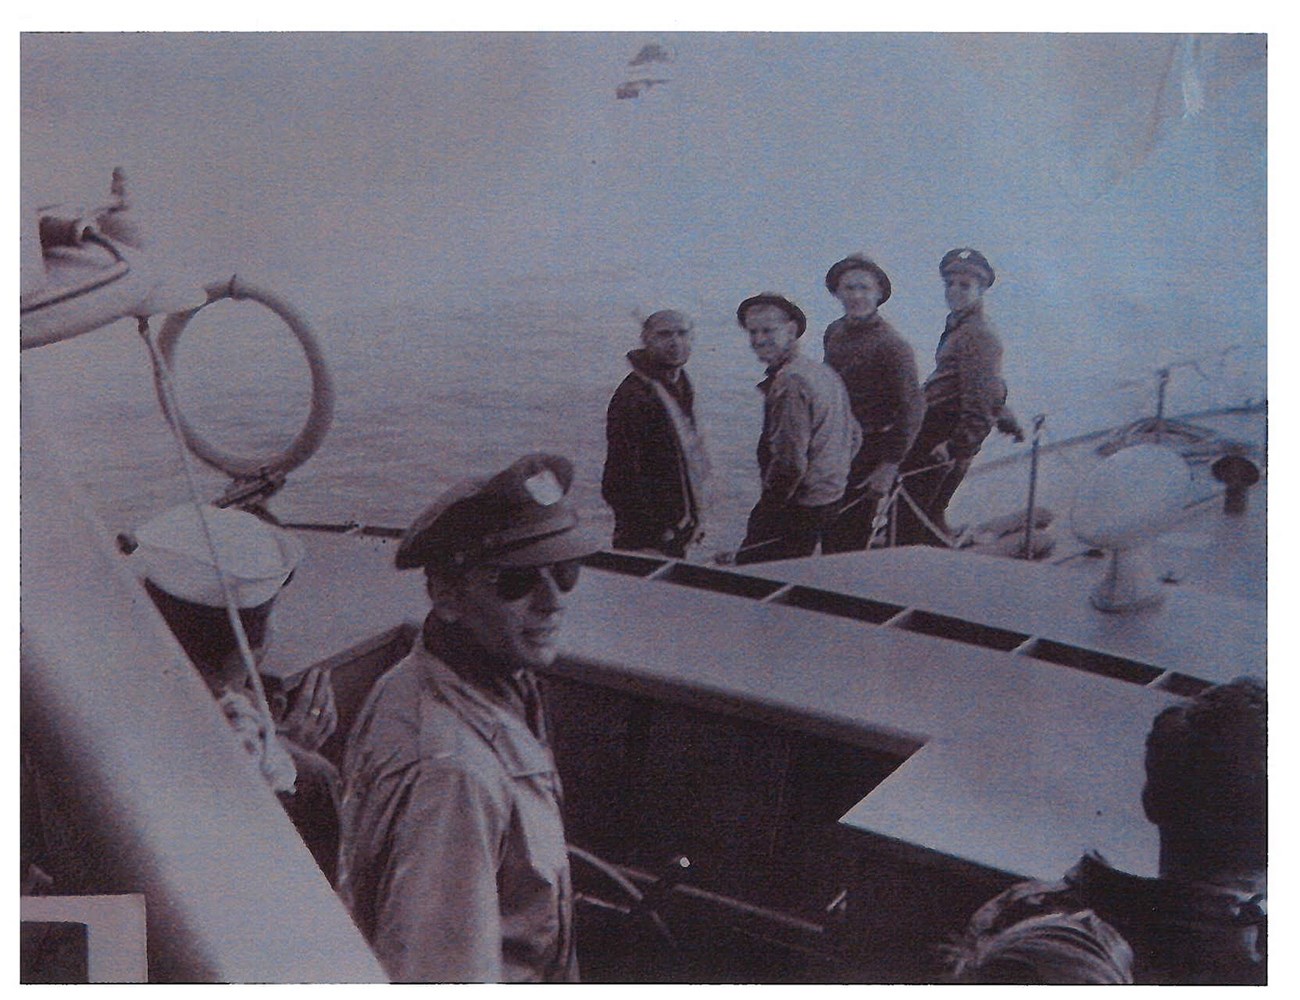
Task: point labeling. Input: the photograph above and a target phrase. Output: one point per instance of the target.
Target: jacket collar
(957, 317)
(774, 370)
(874, 323)
(643, 364)
(488, 703)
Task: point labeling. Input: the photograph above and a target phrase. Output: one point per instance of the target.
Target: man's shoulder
(633, 384)
(406, 718)
(818, 377)
(892, 341)
(634, 392)
(976, 328)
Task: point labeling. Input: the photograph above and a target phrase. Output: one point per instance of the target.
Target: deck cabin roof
(1021, 737)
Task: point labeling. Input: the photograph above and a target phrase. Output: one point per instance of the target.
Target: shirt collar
(774, 370)
(641, 361)
(958, 316)
(868, 324)
(489, 702)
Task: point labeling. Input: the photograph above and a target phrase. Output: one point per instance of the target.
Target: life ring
(319, 418)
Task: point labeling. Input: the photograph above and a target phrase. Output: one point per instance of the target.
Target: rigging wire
(163, 374)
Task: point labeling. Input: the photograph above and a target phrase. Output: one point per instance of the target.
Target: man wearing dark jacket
(879, 371)
(656, 466)
(965, 397)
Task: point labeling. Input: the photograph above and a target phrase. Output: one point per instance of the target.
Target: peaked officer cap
(968, 260)
(520, 517)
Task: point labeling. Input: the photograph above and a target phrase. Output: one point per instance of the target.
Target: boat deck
(1014, 704)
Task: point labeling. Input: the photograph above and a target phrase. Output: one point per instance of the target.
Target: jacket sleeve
(620, 484)
(906, 389)
(437, 916)
(982, 394)
(790, 422)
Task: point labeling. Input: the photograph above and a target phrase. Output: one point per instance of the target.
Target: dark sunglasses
(512, 584)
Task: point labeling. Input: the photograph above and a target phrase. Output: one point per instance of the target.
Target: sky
(1117, 182)
(1126, 231)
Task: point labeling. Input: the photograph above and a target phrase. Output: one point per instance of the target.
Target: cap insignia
(544, 488)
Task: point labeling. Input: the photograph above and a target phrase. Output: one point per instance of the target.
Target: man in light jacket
(453, 860)
(808, 440)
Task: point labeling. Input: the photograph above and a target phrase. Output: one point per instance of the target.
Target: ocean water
(425, 396)
(429, 393)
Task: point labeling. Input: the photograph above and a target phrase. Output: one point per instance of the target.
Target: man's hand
(312, 716)
(1009, 425)
(881, 479)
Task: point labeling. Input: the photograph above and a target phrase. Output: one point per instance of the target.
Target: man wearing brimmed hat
(808, 440)
(879, 371)
(196, 561)
(965, 397)
(453, 861)
(656, 465)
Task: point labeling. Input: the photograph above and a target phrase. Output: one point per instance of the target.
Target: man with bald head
(656, 466)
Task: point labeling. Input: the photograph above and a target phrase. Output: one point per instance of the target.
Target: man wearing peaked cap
(453, 862)
(965, 397)
(879, 371)
(967, 261)
(809, 436)
(192, 560)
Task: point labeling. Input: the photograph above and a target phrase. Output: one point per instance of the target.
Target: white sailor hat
(257, 558)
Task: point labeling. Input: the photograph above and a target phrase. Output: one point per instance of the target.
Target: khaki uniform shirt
(453, 860)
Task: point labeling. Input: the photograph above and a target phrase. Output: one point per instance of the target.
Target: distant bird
(635, 88)
(651, 53)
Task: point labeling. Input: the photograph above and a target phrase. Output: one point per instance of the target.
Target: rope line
(163, 375)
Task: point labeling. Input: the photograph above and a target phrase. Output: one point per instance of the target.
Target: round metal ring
(321, 415)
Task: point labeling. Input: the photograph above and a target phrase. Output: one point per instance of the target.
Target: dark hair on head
(1206, 764)
(204, 632)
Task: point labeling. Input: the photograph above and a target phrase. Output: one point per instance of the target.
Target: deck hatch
(1089, 660)
(960, 630)
(720, 581)
(841, 605)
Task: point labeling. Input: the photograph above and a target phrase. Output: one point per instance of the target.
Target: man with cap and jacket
(453, 862)
(879, 371)
(656, 466)
(808, 440)
(182, 561)
(965, 397)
